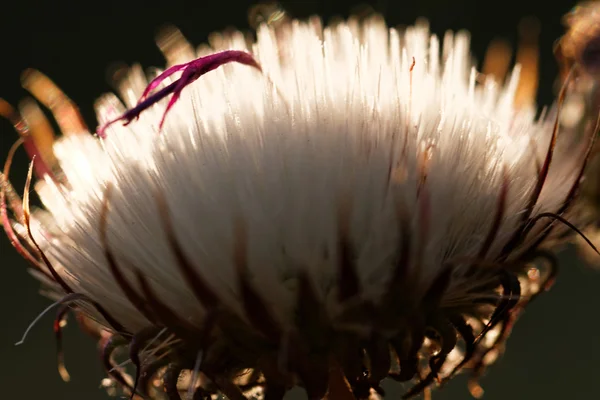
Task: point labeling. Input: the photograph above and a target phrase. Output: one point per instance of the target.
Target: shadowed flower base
(416, 177)
(346, 358)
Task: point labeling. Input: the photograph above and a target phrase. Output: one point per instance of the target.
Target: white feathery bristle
(339, 117)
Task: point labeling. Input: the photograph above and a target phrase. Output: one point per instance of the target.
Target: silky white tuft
(347, 119)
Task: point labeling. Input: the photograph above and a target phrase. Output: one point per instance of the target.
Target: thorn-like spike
(10, 197)
(518, 235)
(568, 224)
(108, 345)
(497, 221)
(511, 295)
(167, 317)
(545, 232)
(59, 322)
(466, 332)
(135, 346)
(256, 309)
(348, 280)
(27, 222)
(203, 292)
(130, 293)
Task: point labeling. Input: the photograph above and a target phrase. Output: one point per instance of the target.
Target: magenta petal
(160, 78)
(191, 71)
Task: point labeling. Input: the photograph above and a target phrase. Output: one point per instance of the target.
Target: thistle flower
(325, 208)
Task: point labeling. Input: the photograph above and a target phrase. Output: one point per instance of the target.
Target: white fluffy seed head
(354, 117)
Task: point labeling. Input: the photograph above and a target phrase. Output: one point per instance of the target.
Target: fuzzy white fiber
(338, 120)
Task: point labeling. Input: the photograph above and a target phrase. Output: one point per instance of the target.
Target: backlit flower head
(327, 207)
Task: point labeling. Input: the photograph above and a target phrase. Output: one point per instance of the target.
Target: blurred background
(554, 350)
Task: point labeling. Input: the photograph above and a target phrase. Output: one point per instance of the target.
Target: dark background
(555, 347)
